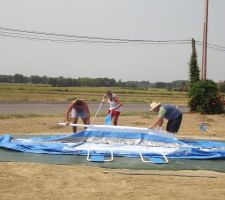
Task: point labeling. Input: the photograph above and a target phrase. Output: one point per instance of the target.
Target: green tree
(205, 98)
(19, 78)
(193, 65)
(35, 79)
(221, 86)
(160, 85)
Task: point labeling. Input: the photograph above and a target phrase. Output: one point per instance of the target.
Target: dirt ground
(49, 125)
(55, 182)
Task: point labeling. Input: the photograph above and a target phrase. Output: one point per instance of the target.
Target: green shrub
(204, 98)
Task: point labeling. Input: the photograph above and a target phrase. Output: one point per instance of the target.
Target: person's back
(171, 112)
(79, 108)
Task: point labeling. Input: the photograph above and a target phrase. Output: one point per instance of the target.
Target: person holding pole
(77, 108)
(114, 106)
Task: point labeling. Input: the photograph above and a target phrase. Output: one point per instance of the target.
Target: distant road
(53, 108)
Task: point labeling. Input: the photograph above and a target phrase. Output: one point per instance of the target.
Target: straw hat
(153, 105)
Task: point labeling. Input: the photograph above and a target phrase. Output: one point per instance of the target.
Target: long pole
(203, 53)
(205, 41)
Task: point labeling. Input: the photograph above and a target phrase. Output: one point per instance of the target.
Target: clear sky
(124, 19)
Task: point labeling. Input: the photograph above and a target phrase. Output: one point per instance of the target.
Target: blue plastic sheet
(121, 143)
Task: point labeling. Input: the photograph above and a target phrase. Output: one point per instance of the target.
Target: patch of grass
(17, 116)
(132, 114)
(138, 123)
(39, 93)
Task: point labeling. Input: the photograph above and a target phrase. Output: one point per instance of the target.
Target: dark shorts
(173, 125)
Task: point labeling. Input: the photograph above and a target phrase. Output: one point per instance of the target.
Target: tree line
(180, 85)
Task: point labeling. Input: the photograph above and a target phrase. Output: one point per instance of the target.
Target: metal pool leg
(98, 158)
(155, 160)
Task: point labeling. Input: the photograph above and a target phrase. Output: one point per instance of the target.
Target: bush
(204, 98)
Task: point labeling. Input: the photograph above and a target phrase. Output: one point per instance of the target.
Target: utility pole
(205, 39)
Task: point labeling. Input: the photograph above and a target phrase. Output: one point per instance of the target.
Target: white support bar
(142, 158)
(123, 128)
(109, 160)
(79, 125)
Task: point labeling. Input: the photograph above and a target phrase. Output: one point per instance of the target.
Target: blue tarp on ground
(122, 141)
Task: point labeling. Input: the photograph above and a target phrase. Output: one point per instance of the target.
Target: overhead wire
(213, 46)
(74, 38)
(82, 39)
(18, 31)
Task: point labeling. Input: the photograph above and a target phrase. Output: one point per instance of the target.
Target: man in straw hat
(169, 112)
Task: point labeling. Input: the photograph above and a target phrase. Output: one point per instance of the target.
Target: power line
(19, 31)
(24, 34)
(68, 38)
(212, 46)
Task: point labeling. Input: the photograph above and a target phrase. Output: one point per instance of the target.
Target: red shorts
(114, 113)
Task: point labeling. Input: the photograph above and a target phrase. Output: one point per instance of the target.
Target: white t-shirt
(113, 104)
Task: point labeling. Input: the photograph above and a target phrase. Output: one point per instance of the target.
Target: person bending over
(78, 108)
(169, 112)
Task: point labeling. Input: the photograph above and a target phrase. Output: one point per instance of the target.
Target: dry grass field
(26, 181)
(49, 124)
(45, 93)
(31, 181)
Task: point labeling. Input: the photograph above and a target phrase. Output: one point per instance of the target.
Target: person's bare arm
(118, 102)
(70, 107)
(158, 122)
(104, 98)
